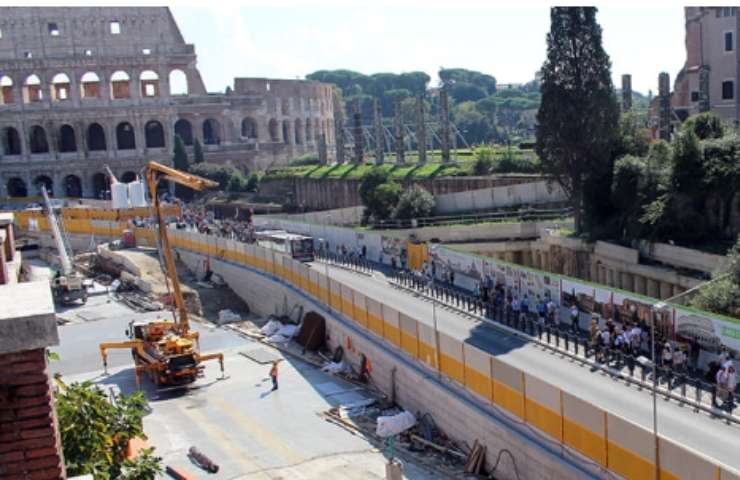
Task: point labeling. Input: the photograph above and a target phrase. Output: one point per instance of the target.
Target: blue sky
(291, 39)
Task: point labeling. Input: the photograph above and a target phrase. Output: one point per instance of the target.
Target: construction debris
(228, 316)
(202, 460)
(389, 426)
(477, 459)
(177, 473)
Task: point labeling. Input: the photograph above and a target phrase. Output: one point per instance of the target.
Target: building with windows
(709, 78)
(82, 88)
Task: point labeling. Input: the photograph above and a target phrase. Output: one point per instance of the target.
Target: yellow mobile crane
(168, 351)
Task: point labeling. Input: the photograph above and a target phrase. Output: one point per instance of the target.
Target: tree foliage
(378, 202)
(237, 183)
(180, 162)
(477, 107)
(212, 171)
(384, 200)
(484, 158)
(634, 136)
(197, 151)
(705, 125)
(415, 202)
(723, 294)
(364, 88)
(578, 117)
(95, 433)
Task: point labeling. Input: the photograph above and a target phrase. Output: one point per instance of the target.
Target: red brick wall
(29, 442)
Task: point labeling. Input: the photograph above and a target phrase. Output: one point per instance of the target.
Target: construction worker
(274, 375)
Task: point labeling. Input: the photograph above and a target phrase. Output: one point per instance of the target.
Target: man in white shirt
(552, 312)
(516, 308)
(574, 318)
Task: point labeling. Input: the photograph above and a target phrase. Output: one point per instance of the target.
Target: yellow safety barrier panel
(347, 300)
(427, 345)
(584, 427)
(374, 316)
(360, 313)
(508, 387)
(542, 407)
(409, 335)
(631, 449)
(323, 282)
(478, 372)
(677, 462)
(451, 360)
(335, 294)
(391, 325)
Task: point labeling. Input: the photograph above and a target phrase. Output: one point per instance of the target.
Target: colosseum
(83, 88)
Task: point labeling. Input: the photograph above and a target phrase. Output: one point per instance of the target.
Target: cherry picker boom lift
(167, 351)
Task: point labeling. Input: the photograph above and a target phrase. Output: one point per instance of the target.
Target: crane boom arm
(64, 258)
(155, 172)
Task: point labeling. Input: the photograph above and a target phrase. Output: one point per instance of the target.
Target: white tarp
(395, 424)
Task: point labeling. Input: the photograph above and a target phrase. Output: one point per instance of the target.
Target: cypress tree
(180, 162)
(578, 118)
(197, 152)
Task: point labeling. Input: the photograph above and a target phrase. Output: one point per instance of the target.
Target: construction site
(381, 374)
(116, 299)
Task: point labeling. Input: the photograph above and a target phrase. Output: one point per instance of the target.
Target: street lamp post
(326, 260)
(653, 313)
(436, 330)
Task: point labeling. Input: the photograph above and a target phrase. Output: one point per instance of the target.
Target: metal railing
(672, 384)
(523, 215)
(678, 385)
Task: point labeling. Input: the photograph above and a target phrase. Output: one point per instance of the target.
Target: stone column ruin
(357, 131)
(322, 149)
(444, 120)
(626, 92)
(664, 106)
(704, 105)
(421, 130)
(379, 137)
(338, 129)
(398, 127)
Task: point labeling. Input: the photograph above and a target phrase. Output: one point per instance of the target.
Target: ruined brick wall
(329, 193)
(30, 448)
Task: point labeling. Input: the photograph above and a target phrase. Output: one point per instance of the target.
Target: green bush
(95, 433)
(484, 156)
(218, 173)
(305, 159)
(385, 199)
(237, 183)
(510, 163)
(253, 183)
(415, 202)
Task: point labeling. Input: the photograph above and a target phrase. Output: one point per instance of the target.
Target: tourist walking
(574, 318)
(274, 375)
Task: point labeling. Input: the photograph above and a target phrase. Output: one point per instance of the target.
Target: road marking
(228, 446)
(262, 435)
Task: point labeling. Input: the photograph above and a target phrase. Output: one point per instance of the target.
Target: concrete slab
(27, 317)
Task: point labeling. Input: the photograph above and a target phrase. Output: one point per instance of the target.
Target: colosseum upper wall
(82, 88)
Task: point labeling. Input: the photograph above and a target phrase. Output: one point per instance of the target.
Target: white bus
(299, 247)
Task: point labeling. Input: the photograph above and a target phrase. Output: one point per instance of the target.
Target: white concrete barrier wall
(498, 197)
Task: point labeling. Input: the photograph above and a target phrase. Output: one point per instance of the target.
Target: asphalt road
(698, 431)
(248, 430)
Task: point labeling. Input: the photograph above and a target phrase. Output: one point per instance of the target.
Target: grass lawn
(462, 165)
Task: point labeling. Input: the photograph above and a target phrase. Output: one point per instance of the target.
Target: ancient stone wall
(87, 87)
(325, 194)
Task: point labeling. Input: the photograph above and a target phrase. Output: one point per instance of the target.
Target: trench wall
(470, 393)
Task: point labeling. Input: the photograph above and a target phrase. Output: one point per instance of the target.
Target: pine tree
(578, 119)
(197, 152)
(180, 162)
